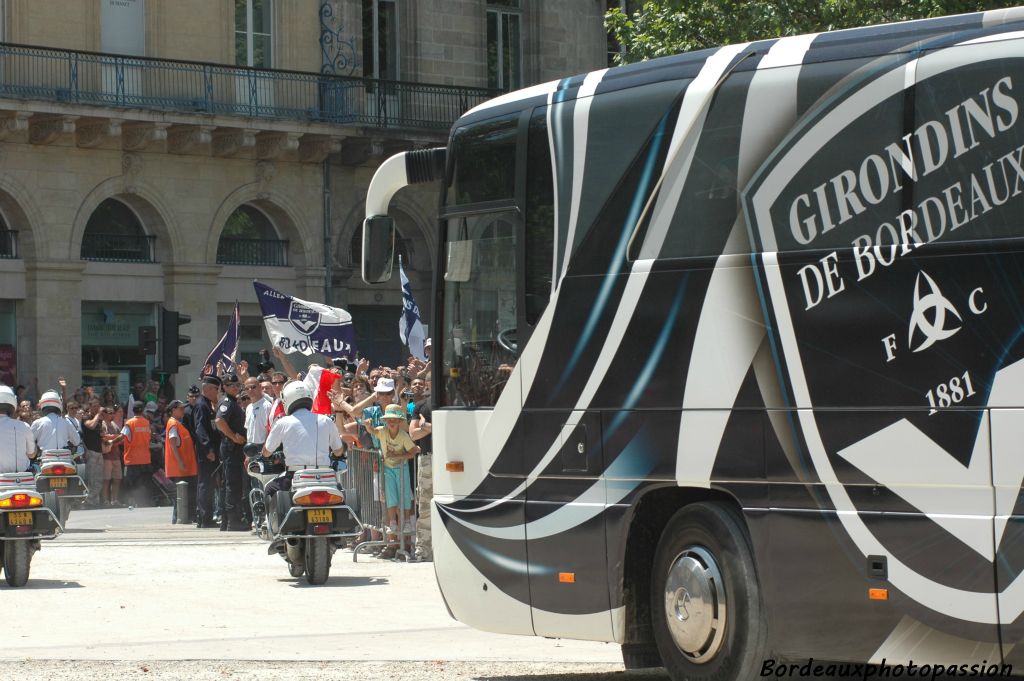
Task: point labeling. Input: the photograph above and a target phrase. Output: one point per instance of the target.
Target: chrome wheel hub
(695, 604)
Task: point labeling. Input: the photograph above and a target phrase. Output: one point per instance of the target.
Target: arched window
(8, 241)
(114, 233)
(249, 238)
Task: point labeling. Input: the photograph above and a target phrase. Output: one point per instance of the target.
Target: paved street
(132, 595)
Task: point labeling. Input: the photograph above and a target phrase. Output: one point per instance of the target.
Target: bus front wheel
(706, 608)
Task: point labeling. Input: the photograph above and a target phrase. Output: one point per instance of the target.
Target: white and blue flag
(301, 326)
(410, 328)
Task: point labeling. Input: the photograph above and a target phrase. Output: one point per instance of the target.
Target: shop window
(111, 357)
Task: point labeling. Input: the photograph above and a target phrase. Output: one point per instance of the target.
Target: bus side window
(540, 217)
(485, 162)
(709, 203)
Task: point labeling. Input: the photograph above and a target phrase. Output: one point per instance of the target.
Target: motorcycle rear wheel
(318, 560)
(17, 561)
(65, 512)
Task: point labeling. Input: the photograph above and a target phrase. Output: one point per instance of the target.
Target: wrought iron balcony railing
(232, 251)
(118, 248)
(194, 87)
(8, 244)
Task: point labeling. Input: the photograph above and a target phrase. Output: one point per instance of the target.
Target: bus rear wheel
(706, 607)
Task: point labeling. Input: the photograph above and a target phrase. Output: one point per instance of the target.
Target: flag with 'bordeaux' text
(296, 325)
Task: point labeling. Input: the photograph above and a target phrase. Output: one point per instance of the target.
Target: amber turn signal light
(878, 594)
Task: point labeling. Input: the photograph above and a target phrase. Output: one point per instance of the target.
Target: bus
(729, 352)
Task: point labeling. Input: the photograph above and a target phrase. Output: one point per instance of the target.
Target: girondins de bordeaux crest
(305, 319)
(892, 277)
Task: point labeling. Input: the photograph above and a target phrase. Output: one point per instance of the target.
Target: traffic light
(171, 339)
(147, 340)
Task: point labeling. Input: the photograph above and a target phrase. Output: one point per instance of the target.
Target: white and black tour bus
(729, 352)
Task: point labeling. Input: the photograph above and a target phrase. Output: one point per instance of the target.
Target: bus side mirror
(378, 248)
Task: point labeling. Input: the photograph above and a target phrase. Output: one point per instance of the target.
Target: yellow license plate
(320, 515)
(21, 518)
(56, 483)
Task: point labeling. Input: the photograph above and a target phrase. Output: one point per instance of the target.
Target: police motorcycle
(27, 516)
(262, 471)
(308, 524)
(58, 473)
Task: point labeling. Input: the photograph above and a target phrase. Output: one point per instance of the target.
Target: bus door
(565, 529)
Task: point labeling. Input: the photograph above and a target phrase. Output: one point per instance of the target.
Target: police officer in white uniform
(52, 430)
(17, 445)
(308, 439)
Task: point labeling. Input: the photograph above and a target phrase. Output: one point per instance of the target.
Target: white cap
(385, 385)
(426, 343)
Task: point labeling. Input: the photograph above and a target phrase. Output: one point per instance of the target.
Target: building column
(191, 290)
(53, 319)
(310, 283)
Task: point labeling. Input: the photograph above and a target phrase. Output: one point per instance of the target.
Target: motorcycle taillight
(20, 500)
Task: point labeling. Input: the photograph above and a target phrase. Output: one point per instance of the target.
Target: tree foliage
(662, 27)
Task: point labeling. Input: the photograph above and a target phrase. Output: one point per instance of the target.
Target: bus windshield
(479, 308)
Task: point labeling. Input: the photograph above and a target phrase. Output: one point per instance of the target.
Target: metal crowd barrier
(365, 474)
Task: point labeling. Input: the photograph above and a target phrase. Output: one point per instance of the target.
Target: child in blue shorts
(397, 448)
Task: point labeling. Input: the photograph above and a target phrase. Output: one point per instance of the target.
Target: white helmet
(52, 400)
(8, 398)
(296, 395)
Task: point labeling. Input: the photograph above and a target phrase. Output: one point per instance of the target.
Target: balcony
(119, 248)
(93, 79)
(272, 252)
(8, 244)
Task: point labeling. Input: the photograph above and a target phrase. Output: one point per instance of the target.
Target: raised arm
(286, 366)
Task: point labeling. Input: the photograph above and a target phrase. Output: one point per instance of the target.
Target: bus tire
(706, 610)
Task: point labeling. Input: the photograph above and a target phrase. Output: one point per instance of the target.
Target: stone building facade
(168, 152)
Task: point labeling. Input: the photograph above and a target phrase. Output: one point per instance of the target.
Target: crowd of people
(135, 452)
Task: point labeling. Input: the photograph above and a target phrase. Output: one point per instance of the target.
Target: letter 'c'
(974, 305)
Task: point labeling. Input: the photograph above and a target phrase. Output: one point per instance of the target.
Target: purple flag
(223, 355)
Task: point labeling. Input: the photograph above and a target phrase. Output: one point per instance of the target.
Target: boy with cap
(397, 448)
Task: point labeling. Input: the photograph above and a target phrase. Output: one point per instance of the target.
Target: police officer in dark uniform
(231, 423)
(207, 439)
(189, 420)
